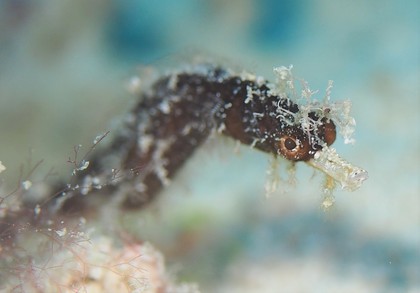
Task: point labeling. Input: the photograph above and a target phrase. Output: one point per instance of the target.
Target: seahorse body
(179, 112)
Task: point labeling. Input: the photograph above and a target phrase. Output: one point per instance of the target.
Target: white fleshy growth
(272, 181)
(338, 112)
(159, 160)
(2, 167)
(284, 74)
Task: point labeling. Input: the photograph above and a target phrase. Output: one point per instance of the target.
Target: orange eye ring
(294, 149)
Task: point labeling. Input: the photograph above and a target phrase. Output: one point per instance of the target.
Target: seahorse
(180, 110)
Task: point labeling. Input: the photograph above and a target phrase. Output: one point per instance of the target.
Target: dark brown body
(176, 115)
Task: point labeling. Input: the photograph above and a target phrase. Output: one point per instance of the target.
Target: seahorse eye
(293, 148)
(290, 144)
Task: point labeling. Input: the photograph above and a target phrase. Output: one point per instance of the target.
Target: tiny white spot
(37, 209)
(134, 85)
(186, 130)
(96, 273)
(140, 187)
(249, 94)
(61, 232)
(99, 137)
(96, 181)
(82, 221)
(26, 184)
(221, 128)
(2, 167)
(83, 165)
(145, 142)
(165, 107)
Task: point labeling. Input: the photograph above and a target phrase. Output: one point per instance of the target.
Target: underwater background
(64, 69)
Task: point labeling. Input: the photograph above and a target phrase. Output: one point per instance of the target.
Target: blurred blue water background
(63, 66)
